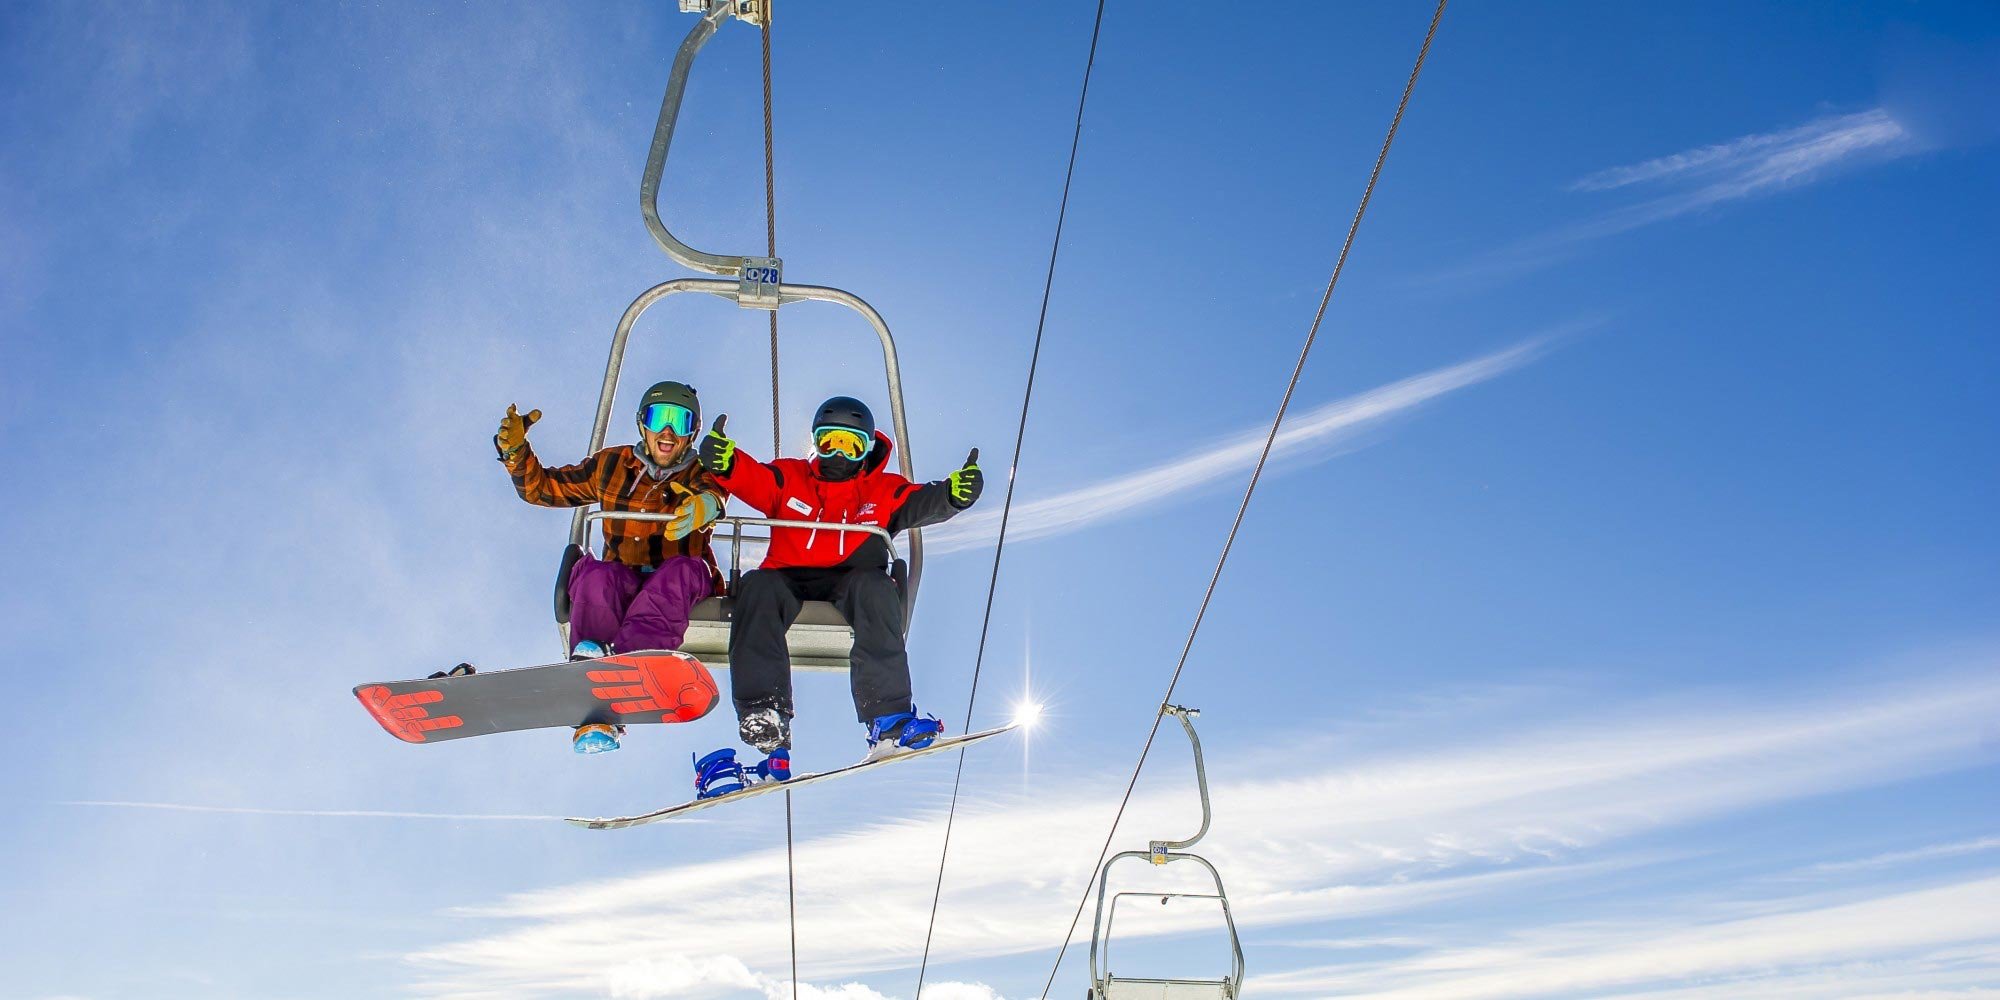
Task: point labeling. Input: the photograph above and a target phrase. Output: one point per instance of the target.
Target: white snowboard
(767, 787)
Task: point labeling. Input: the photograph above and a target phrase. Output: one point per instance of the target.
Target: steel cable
(1257, 472)
(777, 446)
(1013, 468)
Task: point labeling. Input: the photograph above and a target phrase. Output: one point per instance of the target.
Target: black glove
(967, 483)
(718, 451)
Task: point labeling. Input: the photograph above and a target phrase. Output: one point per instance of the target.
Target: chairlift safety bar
(1100, 963)
(580, 522)
(737, 525)
(1111, 916)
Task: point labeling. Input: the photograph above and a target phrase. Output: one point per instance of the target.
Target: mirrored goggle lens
(840, 441)
(669, 417)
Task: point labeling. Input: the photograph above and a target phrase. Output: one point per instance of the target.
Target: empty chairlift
(1104, 983)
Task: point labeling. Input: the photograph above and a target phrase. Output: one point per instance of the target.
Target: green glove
(967, 483)
(718, 451)
(695, 513)
(513, 433)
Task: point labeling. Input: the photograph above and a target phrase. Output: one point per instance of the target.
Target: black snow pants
(768, 601)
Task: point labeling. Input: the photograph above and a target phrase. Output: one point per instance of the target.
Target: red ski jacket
(789, 488)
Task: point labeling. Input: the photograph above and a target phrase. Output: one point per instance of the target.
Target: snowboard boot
(901, 732)
(718, 774)
(458, 671)
(596, 737)
(767, 729)
(590, 649)
(776, 767)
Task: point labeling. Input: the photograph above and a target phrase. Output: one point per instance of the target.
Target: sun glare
(1026, 713)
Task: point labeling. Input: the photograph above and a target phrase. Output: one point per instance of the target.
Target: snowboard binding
(718, 774)
(892, 734)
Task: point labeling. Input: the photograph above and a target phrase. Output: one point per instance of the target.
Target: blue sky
(1616, 620)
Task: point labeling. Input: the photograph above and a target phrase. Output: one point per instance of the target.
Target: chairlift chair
(1104, 985)
(820, 639)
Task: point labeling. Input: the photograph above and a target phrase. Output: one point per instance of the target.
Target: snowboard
(767, 787)
(621, 689)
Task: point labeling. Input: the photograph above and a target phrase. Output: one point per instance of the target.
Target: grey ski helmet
(845, 411)
(679, 393)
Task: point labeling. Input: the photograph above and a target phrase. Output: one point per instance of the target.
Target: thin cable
(791, 895)
(771, 232)
(1013, 468)
(1312, 334)
(777, 446)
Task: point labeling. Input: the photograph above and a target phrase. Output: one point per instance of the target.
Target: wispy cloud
(1892, 859)
(717, 975)
(1315, 435)
(1743, 168)
(1898, 943)
(1707, 176)
(1465, 819)
(259, 811)
(1755, 162)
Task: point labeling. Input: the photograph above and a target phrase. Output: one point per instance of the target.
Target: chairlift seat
(1166, 989)
(820, 638)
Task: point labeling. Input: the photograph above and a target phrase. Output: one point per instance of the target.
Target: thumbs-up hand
(967, 483)
(513, 433)
(717, 452)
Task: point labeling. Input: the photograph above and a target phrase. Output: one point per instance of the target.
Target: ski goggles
(662, 417)
(843, 441)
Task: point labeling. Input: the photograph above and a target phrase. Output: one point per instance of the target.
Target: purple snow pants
(614, 603)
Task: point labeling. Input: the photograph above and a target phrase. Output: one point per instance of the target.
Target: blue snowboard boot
(718, 774)
(776, 767)
(901, 732)
(589, 649)
(595, 738)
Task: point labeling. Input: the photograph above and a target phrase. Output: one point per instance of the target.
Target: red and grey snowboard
(622, 689)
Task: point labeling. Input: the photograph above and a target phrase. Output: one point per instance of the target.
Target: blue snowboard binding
(897, 732)
(718, 774)
(589, 649)
(776, 767)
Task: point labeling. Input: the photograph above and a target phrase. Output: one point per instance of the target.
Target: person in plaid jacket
(637, 596)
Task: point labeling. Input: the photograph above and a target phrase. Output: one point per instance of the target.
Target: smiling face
(664, 447)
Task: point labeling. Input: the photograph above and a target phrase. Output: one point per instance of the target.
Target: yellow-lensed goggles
(845, 442)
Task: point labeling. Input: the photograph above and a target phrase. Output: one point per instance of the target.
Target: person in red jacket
(846, 482)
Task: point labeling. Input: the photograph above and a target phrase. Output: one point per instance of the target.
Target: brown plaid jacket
(616, 479)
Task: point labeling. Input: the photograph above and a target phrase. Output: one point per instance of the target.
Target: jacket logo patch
(866, 509)
(800, 506)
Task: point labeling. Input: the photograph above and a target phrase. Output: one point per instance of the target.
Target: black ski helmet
(845, 411)
(679, 393)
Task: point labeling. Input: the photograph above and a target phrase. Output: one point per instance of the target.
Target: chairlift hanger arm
(1160, 848)
(713, 14)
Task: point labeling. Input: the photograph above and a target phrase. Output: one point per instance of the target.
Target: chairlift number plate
(757, 283)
